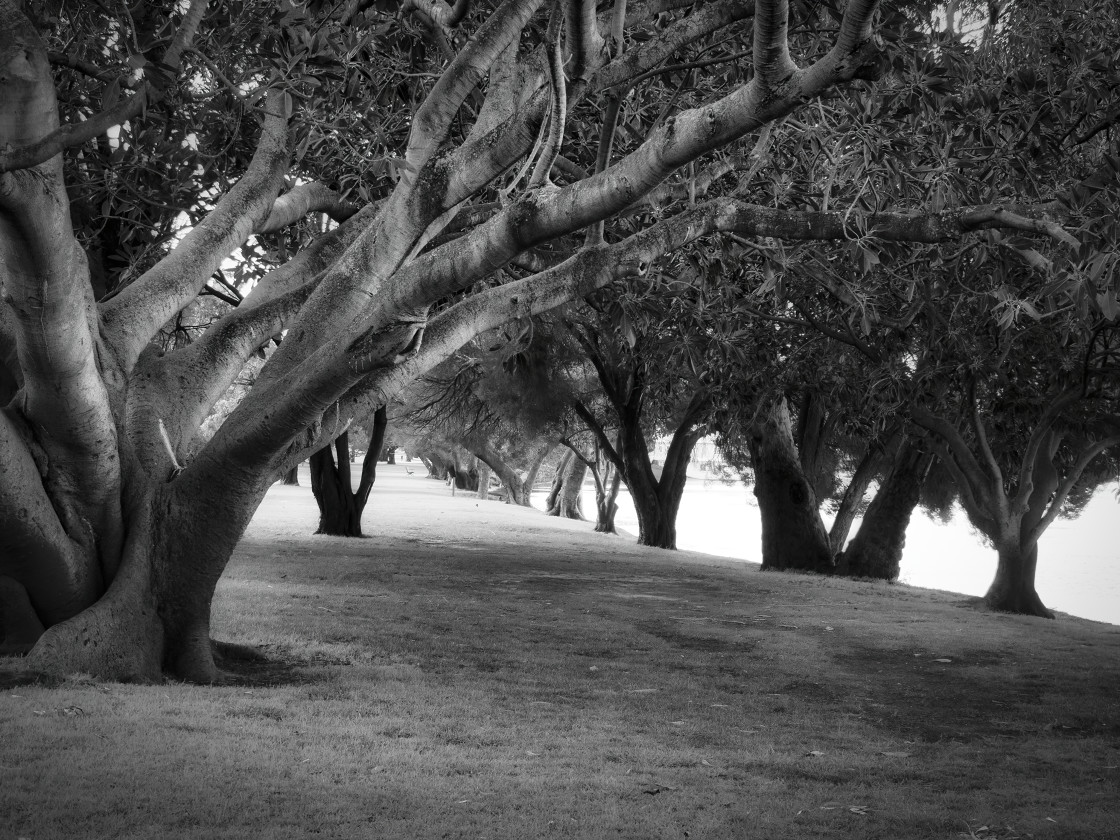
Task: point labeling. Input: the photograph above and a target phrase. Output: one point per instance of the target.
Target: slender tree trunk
(291, 477)
(876, 549)
(606, 500)
(564, 495)
(341, 507)
(793, 534)
(483, 481)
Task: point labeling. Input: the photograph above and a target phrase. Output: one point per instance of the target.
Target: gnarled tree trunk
(563, 498)
(793, 534)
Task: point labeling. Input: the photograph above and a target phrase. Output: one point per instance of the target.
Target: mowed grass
(475, 670)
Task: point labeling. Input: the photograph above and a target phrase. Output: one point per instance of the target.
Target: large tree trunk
(793, 534)
(876, 549)
(154, 618)
(291, 477)
(341, 507)
(564, 496)
(1013, 589)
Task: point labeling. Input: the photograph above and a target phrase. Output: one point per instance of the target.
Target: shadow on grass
(243, 665)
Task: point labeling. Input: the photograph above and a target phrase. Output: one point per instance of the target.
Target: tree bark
(876, 549)
(606, 500)
(793, 534)
(564, 496)
(291, 477)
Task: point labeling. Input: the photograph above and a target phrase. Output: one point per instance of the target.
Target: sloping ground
(480, 670)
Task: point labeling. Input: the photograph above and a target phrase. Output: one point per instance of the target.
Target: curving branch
(585, 42)
(434, 118)
(1072, 477)
(959, 458)
(84, 67)
(196, 376)
(132, 317)
(772, 62)
(63, 137)
(1034, 445)
(982, 441)
(314, 197)
(438, 12)
(558, 116)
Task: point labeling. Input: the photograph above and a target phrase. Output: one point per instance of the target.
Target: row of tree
(180, 325)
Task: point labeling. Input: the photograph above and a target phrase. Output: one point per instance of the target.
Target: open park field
(480, 670)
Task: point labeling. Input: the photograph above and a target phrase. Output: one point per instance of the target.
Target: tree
(340, 505)
(100, 505)
(563, 498)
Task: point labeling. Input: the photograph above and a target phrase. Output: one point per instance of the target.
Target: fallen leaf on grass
(814, 752)
(858, 809)
(943, 660)
(677, 722)
(705, 762)
(530, 752)
(720, 706)
(641, 690)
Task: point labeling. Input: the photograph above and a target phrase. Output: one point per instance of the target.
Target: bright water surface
(1078, 566)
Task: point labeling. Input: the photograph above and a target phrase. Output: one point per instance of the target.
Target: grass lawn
(479, 670)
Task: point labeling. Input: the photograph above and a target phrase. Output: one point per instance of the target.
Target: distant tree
(340, 504)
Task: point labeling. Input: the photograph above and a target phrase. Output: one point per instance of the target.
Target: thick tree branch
(961, 460)
(1034, 445)
(314, 197)
(1072, 477)
(433, 119)
(132, 317)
